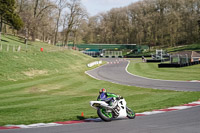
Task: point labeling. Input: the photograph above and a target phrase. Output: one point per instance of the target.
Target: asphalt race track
(184, 121)
(116, 73)
(181, 121)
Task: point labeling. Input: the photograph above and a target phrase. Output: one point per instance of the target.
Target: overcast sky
(97, 6)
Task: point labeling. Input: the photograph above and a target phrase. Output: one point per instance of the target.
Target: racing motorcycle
(117, 110)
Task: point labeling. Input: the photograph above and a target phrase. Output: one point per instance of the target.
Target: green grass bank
(38, 87)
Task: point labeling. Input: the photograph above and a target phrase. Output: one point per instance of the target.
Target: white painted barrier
(94, 63)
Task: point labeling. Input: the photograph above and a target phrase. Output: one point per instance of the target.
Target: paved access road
(183, 121)
(116, 73)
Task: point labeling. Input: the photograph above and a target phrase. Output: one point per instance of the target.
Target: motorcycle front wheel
(130, 113)
(104, 115)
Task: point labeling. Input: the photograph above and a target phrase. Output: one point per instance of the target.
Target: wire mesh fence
(113, 53)
(33, 48)
(180, 59)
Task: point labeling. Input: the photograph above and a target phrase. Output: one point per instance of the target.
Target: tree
(40, 8)
(39, 19)
(8, 15)
(163, 23)
(60, 6)
(75, 15)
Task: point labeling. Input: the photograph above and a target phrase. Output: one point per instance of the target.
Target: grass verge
(151, 70)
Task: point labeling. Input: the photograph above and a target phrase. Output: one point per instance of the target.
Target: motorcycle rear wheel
(105, 116)
(130, 113)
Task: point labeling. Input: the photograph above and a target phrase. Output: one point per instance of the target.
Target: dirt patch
(43, 88)
(50, 87)
(33, 72)
(34, 90)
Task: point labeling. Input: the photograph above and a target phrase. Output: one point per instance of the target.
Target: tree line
(50, 21)
(151, 22)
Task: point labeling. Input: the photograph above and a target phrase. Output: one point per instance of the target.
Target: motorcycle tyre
(130, 117)
(104, 118)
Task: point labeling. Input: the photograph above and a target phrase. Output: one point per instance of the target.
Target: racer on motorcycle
(107, 97)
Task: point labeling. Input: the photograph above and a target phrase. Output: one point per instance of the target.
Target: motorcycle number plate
(96, 104)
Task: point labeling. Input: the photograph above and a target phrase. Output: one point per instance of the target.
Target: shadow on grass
(17, 40)
(4, 40)
(81, 118)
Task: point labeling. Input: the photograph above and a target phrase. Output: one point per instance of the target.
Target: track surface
(182, 121)
(117, 73)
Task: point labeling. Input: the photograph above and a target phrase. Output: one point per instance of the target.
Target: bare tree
(154, 22)
(76, 13)
(60, 6)
(40, 8)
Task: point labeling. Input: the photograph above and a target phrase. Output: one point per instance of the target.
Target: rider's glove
(118, 98)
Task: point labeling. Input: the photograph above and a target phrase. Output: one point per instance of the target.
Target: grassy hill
(192, 47)
(21, 65)
(31, 62)
(52, 86)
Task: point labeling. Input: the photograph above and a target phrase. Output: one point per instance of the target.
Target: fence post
(178, 59)
(1, 48)
(7, 47)
(19, 48)
(170, 58)
(187, 61)
(14, 48)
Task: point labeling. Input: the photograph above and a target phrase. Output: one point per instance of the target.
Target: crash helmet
(102, 90)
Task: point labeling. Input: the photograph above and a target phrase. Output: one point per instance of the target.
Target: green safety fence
(103, 46)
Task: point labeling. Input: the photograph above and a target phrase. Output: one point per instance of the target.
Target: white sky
(97, 6)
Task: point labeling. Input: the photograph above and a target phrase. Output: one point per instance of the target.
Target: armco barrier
(94, 63)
